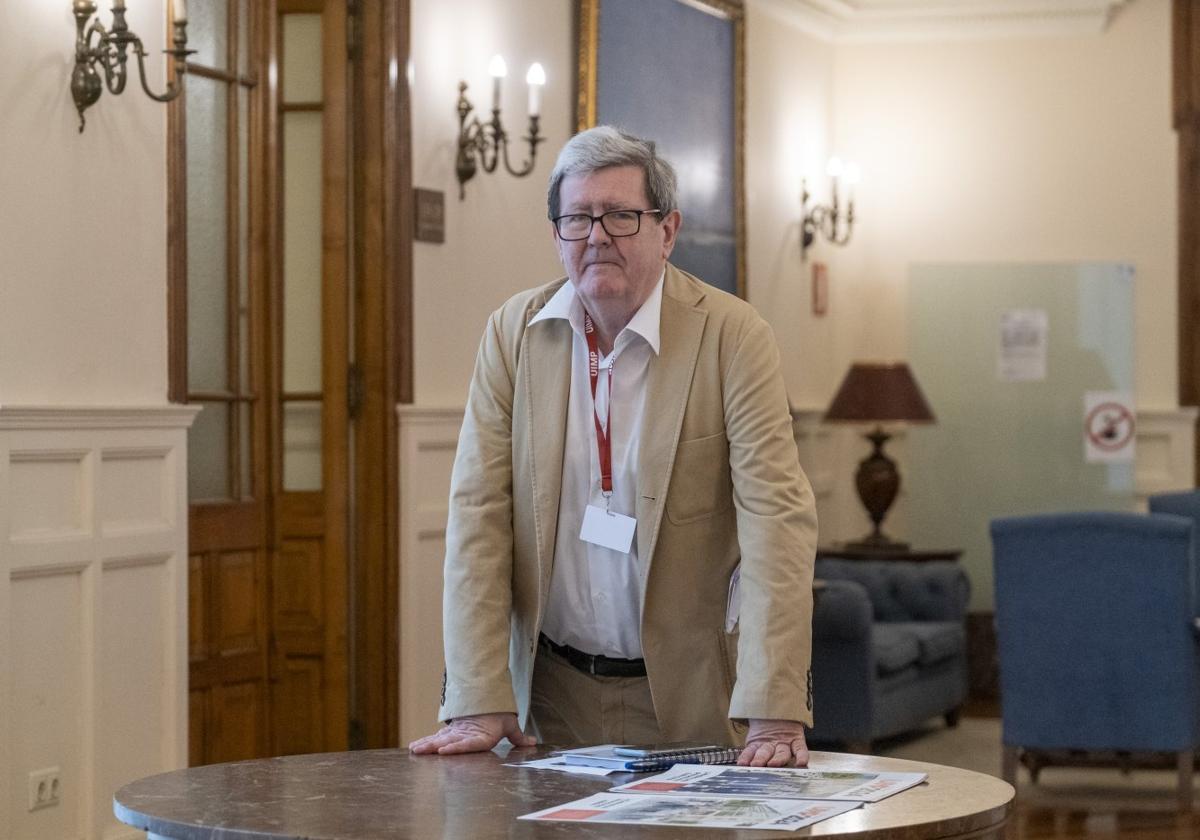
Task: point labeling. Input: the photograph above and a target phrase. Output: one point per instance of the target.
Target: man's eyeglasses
(574, 226)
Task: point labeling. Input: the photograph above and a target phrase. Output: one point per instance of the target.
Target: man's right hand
(474, 733)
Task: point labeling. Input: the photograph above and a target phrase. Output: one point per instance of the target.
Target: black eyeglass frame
(600, 219)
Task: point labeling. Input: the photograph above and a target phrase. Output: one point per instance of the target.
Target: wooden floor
(1100, 822)
(1081, 804)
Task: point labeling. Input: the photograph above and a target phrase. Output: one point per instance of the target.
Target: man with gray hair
(630, 543)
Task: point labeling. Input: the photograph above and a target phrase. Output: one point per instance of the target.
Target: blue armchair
(1185, 503)
(1096, 633)
(889, 648)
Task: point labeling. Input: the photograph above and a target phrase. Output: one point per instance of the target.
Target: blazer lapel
(668, 386)
(547, 355)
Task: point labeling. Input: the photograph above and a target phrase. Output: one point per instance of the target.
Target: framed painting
(673, 71)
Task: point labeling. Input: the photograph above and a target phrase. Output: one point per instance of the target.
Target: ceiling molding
(863, 21)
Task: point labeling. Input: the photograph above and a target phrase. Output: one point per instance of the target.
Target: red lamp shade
(878, 392)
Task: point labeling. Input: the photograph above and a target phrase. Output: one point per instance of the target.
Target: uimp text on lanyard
(614, 531)
(603, 430)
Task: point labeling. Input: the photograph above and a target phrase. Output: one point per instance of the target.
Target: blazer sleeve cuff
(461, 701)
(783, 703)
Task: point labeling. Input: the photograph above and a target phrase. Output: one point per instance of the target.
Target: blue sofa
(889, 648)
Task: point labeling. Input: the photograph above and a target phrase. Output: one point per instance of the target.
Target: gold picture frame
(588, 80)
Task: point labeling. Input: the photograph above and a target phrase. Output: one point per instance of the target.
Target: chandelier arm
(105, 53)
(494, 144)
(526, 166)
(532, 139)
(174, 88)
(114, 68)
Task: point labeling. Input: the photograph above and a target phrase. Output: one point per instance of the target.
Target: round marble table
(391, 794)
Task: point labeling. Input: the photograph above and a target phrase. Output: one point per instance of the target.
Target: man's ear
(671, 224)
(558, 243)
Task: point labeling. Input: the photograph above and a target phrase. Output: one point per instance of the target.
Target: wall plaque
(430, 215)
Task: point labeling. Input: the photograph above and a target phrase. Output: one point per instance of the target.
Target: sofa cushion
(895, 647)
(937, 640)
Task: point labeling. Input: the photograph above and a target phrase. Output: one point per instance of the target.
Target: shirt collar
(645, 322)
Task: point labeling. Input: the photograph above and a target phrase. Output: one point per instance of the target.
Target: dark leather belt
(591, 663)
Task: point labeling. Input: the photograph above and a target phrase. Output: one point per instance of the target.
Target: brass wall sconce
(110, 51)
(828, 219)
(489, 141)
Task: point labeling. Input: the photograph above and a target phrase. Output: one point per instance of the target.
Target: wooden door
(259, 159)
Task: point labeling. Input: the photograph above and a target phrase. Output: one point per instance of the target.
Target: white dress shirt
(595, 598)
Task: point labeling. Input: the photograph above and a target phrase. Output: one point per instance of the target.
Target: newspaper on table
(695, 811)
(772, 782)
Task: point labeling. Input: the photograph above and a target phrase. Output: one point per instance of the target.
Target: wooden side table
(898, 553)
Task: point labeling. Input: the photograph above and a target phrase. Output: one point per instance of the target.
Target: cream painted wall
(1038, 149)
(82, 222)
(497, 240)
(789, 114)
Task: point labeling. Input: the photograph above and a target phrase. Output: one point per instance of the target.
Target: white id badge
(608, 530)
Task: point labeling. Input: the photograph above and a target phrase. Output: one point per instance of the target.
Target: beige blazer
(719, 483)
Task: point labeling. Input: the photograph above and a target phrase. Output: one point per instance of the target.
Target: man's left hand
(774, 743)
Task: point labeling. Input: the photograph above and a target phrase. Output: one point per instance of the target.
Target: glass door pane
(302, 165)
(207, 225)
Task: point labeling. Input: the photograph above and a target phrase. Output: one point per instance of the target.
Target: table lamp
(874, 392)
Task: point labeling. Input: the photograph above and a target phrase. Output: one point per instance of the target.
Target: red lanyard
(603, 438)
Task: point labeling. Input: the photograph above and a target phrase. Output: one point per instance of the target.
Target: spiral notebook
(661, 757)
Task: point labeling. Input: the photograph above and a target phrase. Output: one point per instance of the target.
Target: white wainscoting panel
(1166, 451)
(428, 440)
(93, 641)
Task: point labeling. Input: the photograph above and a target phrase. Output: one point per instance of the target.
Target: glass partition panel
(1007, 356)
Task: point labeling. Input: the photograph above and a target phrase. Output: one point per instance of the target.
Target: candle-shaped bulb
(118, 5)
(498, 70)
(835, 167)
(180, 11)
(535, 78)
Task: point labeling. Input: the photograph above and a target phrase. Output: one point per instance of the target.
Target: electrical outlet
(45, 788)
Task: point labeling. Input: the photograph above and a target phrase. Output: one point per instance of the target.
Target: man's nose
(598, 235)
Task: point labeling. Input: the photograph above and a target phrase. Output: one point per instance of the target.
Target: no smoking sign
(1108, 426)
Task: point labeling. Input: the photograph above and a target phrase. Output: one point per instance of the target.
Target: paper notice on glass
(1108, 427)
(769, 782)
(1023, 342)
(695, 811)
